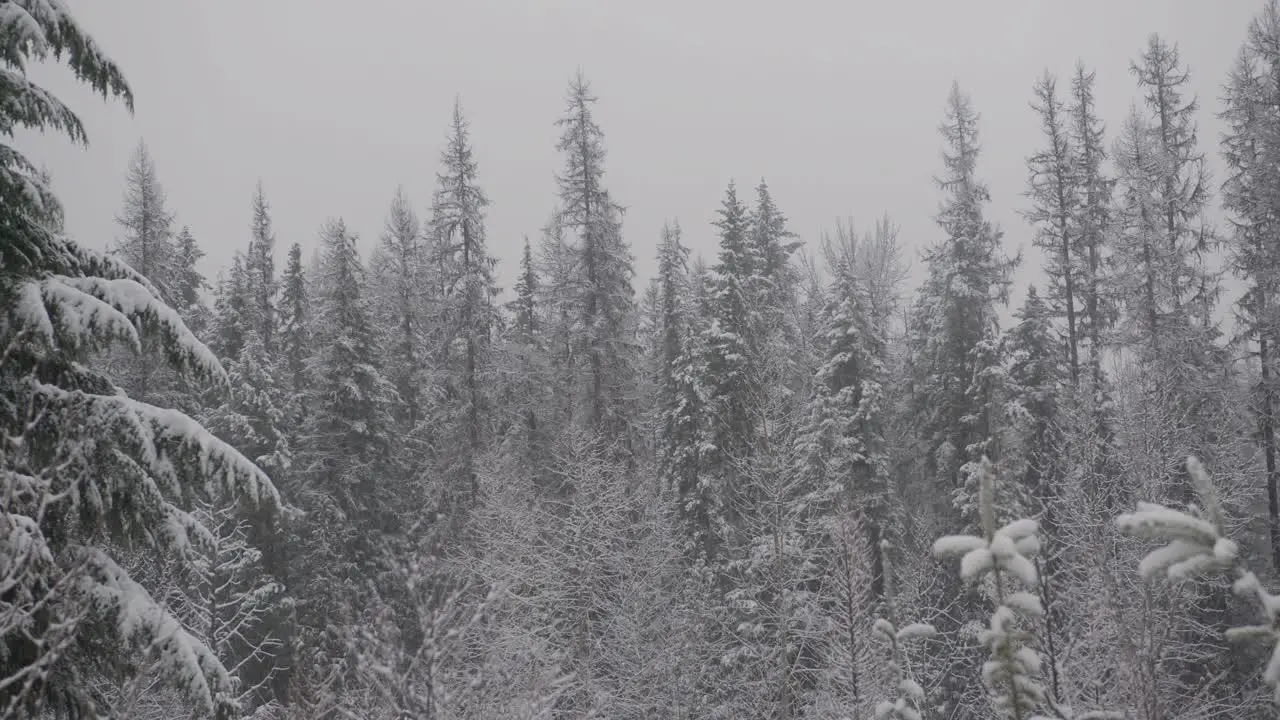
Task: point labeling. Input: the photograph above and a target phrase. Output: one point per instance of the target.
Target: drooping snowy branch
(1196, 545)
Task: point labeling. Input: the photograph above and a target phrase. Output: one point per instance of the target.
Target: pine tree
(525, 380)
(1251, 147)
(148, 246)
(260, 276)
(1181, 182)
(457, 222)
(231, 308)
(348, 491)
(729, 374)
(399, 267)
(295, 323)
(1054, 193)
(604, 267)
(148, 243)
(83, 462)
(671, 330)
(1093, 220)
(953, 341)
(956, 313)
(191, 284)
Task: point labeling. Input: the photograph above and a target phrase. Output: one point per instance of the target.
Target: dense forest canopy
(368, 481)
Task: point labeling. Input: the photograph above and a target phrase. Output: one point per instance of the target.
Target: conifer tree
(148, 246)
(457, 223)
(956, 312)
(604, 267)
(84, 465)
(188, 299)
(148, 243)
(1251, 147)
(260, 276)
(295, 322)
(399, 267)
(1054, 193)
(952, 340)
(345, 450)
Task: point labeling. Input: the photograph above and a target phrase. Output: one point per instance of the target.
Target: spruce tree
(85, 467)
(148, 244)
(457, 224)
(604, 268)
(260, 277)
(1251, 149)
(399, 267)
(1053, 187)
(953, 343)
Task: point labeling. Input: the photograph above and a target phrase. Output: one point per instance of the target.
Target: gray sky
(835, 102)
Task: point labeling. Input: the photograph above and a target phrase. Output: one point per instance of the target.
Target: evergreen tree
(956, 312)
(953, 341)
(260, 276)
(345, 453)
(295, 323)
(85, 465)
(1054, 193)
(148, 244)
(457, 222)
(603, 267)
(1093, 221)
(231, 324)
(1181, 182)
(671, 330)
(1251, 147)
(729, 373)
(399, 267)
(190, 284)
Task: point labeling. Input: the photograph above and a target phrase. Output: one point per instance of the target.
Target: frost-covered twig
(1005, 555)
(1196, 544)
(910, 695)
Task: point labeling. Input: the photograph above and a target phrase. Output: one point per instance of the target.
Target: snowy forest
(369, 482)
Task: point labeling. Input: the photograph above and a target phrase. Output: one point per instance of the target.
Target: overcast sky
(835, 102)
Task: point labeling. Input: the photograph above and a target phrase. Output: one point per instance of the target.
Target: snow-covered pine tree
(1055, 197)
(522, 368)
(1038, 380)
(771, 292)
(1251, 150)
(462, 417)
(344, 456)
(1093, 224)
(260, 276)
(671, 327)
(83, 462)
(603, 269)
(147, 245)
(230, 310)
(295, 332)
(1181, 182)
(953, 336)
(399, 294)
(558, 315)
(191, 284)
(956, 312)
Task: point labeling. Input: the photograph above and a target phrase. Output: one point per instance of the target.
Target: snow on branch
(1196, 545)
(1004, 556)
(154, 437)
(139, 620)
